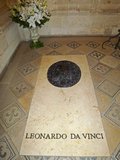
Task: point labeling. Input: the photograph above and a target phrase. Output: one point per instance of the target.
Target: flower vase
(34, 36)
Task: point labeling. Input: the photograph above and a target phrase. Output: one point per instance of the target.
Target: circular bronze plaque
(64, 74)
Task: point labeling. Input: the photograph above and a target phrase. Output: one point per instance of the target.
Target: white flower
(35, 8)
(38, 17)
(30, 11)
(31, 22)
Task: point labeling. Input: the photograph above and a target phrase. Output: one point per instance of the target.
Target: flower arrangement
(30, 14)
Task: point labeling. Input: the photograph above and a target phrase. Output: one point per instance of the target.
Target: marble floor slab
(64, 121)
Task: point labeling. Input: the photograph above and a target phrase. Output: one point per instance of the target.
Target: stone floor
(17, 86)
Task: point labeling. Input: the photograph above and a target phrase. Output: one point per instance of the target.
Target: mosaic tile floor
(17, 86)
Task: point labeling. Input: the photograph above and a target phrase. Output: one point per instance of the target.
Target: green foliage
(37, 44)
(23, 11)
(25, 24)
(31, 14)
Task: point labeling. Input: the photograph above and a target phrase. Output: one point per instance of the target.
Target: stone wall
(9, 36)
(9, 40)
(83, 17)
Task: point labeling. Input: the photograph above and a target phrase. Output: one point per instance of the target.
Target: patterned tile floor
(17, 86)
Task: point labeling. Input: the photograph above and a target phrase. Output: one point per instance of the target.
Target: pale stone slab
(66, 111)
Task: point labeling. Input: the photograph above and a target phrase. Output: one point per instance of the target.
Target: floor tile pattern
(2, 131)
(10, 116)
(114, 76)
(73, 45)
(33, 158)
(92, 61)
(54, 45)
(7, 150)
(113, 113)
(93, 44)
(116, 54)
(110, 44)
(109, 88)
(96, 55)
(97, 78)
(110, 61)
(59, 158)
(19, 80)
(16, 78)
(104, 101)
(28, 56)
(16, 132)
(117, 98)
(21, 88)
(54, 53)
(101, 68)
(116, 154)
(26, 69)
(6, 96)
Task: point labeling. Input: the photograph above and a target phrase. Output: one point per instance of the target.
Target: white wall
(9, 40)
(81, 17)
